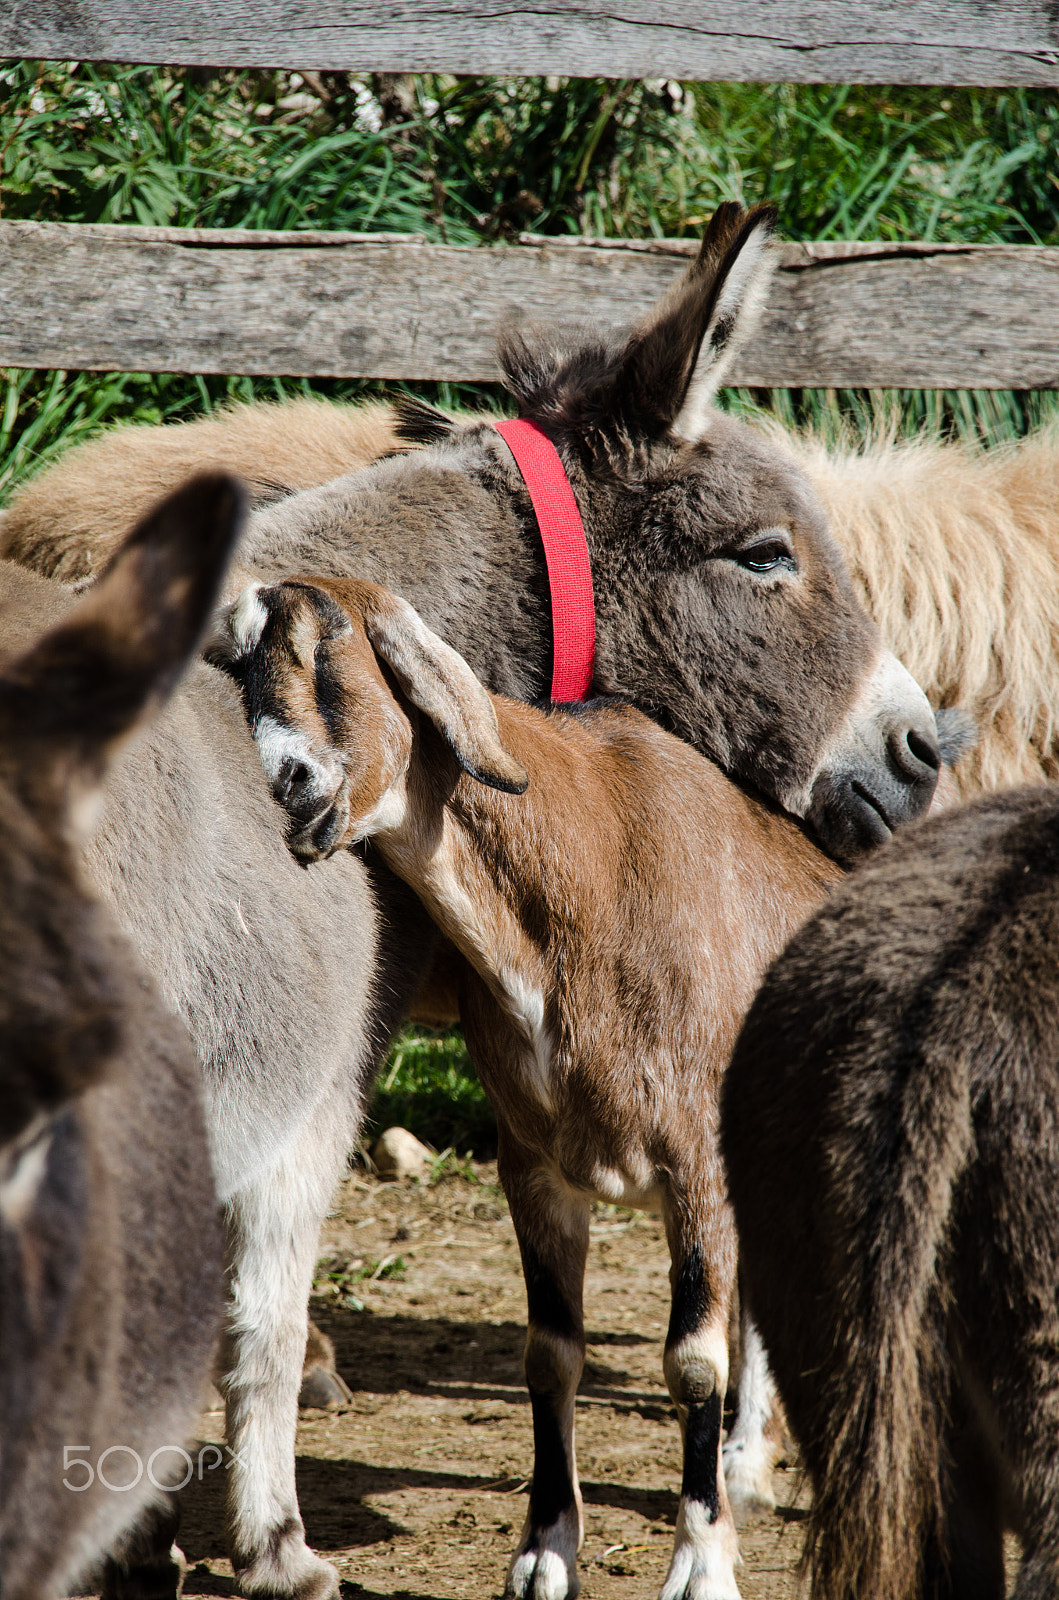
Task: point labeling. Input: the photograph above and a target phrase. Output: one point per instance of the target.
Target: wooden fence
(877, 315)
(790, 41)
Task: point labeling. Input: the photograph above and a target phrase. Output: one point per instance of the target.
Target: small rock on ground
(399, 1154)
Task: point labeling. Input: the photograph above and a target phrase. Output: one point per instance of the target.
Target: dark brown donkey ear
(675, 361)
(68, 701)
(438, 680)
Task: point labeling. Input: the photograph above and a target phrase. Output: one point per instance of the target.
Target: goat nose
(291, 776)
(915, 754)
(298, 789)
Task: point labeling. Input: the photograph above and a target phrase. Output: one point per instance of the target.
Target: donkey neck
(451, 529)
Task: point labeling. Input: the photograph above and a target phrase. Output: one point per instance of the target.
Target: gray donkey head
(725, 609)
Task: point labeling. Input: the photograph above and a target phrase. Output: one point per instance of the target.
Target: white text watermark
(121, 1468)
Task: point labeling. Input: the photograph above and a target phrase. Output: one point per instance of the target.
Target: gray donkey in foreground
(891, 1131)
(188, 850)
(110, 1239)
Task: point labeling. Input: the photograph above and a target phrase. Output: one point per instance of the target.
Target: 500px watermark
(120, 1467)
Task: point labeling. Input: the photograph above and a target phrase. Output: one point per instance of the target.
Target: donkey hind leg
(755, 1443)
(552, 1230)
(1038, 1577)
(705, 1547)
(966, 1560)
(274, 1227)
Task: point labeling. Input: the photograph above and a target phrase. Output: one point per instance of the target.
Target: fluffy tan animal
(955, 553)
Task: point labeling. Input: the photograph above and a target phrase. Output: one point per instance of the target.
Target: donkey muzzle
(881, 771)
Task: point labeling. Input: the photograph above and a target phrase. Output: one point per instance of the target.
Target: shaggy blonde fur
(956, 555)
(955, 552)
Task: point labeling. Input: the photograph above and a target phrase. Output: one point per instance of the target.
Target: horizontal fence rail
(802, 41)
(391, 306)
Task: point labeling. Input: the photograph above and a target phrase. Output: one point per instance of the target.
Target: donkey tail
(895, 1157)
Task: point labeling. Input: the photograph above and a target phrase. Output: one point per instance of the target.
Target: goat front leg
(552, 1230)
(274, 1228)
(702, 1250)
(145, 1563)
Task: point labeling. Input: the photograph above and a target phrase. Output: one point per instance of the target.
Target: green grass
(482, 159)
(429, 1087)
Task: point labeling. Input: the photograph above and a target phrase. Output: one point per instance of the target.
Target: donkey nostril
(917, 754)
(925, 749)
(299, 776)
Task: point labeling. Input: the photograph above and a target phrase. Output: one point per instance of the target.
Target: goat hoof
(703, 1586)
(704, 1569)
(323, 1390)
(287, 1570)
(542, 1575)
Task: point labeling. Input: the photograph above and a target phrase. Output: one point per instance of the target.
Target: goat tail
(877, 1469)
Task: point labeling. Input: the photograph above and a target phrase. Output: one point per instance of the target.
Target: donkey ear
(438, 680)
(676, 360)
(80, 690)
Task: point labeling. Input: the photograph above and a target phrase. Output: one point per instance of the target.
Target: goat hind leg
(552, 1231)
(705, 1546)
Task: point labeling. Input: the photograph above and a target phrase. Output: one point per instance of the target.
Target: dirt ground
(418, 1488)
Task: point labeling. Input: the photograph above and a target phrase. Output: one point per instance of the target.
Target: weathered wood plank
(343, 305)
(802, 41)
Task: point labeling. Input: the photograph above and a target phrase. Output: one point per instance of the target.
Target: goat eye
(770, 553)
(341, 631)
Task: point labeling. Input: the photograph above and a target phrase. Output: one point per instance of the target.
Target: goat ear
(237, 627)
(438, 680)
(674, 363)
(80, 690)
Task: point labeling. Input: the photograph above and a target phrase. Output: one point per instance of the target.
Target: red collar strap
(566, 556)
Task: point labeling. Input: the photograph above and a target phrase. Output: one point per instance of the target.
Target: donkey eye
(770, 552)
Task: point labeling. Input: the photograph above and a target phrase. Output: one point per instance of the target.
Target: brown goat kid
(891, 1129)
(110, 1243)
(616, 919)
